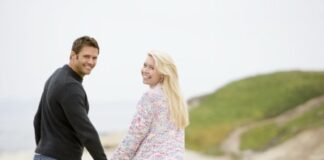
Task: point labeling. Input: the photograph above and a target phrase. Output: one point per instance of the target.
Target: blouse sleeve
(138, 130)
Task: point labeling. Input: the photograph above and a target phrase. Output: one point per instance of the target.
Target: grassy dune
(245, 101)
(263, 137)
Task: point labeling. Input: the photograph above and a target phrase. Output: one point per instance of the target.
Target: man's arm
(37, 124)
(74, 107)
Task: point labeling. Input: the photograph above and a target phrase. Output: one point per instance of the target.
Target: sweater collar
(73, 73)
(158, 86)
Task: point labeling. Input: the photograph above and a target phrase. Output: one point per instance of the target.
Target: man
(62, 126)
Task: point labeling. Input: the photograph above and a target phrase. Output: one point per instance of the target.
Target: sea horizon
(16, 120)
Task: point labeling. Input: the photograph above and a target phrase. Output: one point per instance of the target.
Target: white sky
(213, 42)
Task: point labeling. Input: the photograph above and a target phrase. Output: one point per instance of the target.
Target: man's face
(85, 61)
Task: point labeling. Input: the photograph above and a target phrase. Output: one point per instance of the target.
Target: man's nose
(92, 61)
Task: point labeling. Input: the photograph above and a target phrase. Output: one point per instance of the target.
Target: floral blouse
(152, 136)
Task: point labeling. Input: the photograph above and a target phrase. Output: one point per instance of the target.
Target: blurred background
(252, 71)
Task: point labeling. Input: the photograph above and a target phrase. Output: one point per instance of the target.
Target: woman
(157, 129)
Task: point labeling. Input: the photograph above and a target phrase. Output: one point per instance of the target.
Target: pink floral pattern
(152, 136)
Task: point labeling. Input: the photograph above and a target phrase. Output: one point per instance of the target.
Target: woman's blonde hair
(170, 85)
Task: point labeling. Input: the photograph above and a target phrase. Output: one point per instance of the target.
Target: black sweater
(62, 126)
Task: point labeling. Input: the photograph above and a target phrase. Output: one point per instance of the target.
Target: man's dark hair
(79, 43)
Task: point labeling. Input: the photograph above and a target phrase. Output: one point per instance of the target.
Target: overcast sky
(212, 42)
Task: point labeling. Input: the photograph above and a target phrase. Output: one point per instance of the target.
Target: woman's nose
(144, 70)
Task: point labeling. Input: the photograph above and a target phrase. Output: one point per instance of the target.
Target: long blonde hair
(170, 85)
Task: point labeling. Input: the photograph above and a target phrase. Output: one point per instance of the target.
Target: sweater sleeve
(37, 124)
(38, 117)
(138, 130)
(74, 106)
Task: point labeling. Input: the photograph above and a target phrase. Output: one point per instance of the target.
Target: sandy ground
(308, 145)
(189, 155)
(28, 155)
(109, 141)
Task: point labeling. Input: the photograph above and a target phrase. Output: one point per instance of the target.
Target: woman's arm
(138, 130)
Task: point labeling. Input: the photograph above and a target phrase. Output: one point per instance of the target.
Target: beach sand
(109, 141)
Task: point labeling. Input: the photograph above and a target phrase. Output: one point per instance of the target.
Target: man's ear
(72, 54)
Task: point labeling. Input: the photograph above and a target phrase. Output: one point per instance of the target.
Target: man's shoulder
(61, 79)
(64, 76)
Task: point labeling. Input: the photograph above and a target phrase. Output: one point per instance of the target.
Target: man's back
(61, 124)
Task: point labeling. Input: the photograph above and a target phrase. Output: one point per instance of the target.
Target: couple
(63, 129)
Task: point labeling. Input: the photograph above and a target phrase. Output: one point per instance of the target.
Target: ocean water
(16, 121)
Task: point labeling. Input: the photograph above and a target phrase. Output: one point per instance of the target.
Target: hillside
(248, 101)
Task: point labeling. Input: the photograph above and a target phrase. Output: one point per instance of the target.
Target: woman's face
(151, 76)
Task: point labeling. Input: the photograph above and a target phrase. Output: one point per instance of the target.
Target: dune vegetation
(250, 100)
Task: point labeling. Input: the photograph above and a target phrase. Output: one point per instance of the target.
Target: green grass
(266, 136)
(245, 101)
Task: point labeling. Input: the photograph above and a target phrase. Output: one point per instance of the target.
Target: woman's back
(164, 139)
(152, 135)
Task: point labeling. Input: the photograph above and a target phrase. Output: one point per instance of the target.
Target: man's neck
(75, 70)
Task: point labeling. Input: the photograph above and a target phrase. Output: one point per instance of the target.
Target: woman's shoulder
(155, 93)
